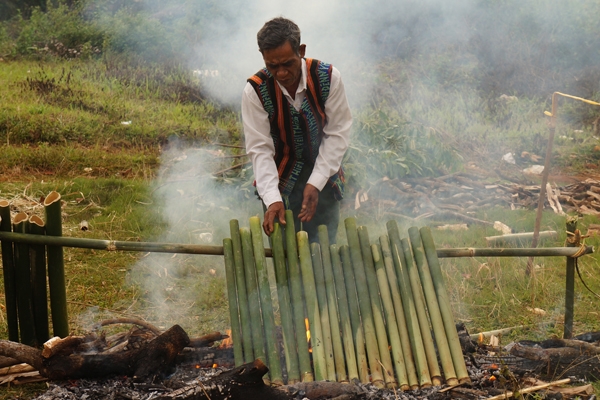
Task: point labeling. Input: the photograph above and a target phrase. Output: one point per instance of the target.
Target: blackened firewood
(154, 356)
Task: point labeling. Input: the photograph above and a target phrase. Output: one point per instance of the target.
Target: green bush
(61, 31)
(387, 145)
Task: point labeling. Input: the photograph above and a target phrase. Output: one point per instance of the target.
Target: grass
(154, 180)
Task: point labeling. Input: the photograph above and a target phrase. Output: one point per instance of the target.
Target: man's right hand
(275, 210)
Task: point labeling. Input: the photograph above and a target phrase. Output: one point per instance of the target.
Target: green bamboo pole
(297, 298)
(336, 337)
(409, 362)
(373, 287)
(117, 245)
(234, 315)
(434, 310)
(444, 302)
(355, 321)
(23, 280)
(38, 281)
(285, 307)
(242, 295)
(419, 299)
(315, 253)
(344, 313)
(392, 323)
(56, 267)
(408, 302)
(253, 298)
(364, 303)
(537, 252)
(8, 268)
(312, 306)
(266, 304)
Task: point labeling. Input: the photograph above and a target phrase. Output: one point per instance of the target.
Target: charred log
(154, 356)
(556, 358)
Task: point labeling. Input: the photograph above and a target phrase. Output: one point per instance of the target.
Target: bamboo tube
(402, 329)
(253, 298)
(178, 248)
(336, 337)
(8, 268)
(242, 295)
(234, 315)
(23, 281)
(38, 282)
(390, 316)
(373, 288)
(529, 389)
(410, 313)
(419, 298)
(366, 312)
(285, 307)
(444, 302)
(434, 310)
(266, 304)
(295, 282)
(312, 306)
(355, 321)
(56, 267)
(317, 262)
(518, 237)
(344, 313)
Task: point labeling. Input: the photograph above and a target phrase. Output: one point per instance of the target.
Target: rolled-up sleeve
(336, 133)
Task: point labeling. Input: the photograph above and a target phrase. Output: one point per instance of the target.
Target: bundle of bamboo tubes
(374, 312)
(26, 268)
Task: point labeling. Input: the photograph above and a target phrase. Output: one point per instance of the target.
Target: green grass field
(164, 177)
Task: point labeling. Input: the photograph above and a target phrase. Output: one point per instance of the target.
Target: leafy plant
(387, 145)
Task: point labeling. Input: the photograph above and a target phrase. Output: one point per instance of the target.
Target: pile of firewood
(462, 194)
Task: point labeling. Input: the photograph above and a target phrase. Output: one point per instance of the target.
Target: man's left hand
(310, 199)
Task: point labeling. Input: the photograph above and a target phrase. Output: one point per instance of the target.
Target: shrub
(61, 31)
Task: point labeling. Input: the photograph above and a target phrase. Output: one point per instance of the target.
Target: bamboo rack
(365, 310)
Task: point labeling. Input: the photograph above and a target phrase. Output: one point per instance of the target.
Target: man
(296, 124)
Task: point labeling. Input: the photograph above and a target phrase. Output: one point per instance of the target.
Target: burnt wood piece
(207, 340)
(557, 358)
(7, 361)
(72, 344)
(246, 382)
(157, 355)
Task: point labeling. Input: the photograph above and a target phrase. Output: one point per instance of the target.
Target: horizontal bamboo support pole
(156, 247)
(524, 252)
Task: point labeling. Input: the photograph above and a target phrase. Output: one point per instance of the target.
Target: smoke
(444, 54)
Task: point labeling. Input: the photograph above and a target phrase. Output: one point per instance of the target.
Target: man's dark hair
(276, 32)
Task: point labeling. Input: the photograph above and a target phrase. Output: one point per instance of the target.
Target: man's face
(285, 64)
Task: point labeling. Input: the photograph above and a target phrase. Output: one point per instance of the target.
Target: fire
(307, 329)
(227, 342)
(197, 366)
(308, 334)
(214, 365)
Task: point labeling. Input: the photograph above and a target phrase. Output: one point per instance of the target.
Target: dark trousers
(328, 209)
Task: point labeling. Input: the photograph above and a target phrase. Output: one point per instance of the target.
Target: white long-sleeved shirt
(261, 149)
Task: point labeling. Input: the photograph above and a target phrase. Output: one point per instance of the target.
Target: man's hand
(275, 210)
(310, 199)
